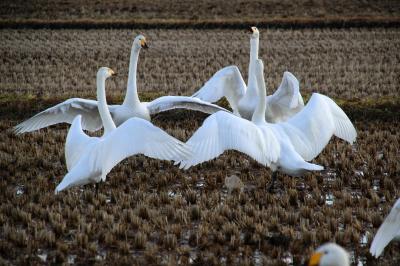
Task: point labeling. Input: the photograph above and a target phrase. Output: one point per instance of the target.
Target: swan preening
(66, 111)
(330, 254)
(388, 231)
(229, 83)
(90, 159)
(284, 146)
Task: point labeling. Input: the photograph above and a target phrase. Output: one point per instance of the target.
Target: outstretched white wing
(223, 131)
(76, 143)
(286, 100)
(312, 128)
(166, 103)
(135, 136)
(138, 136)
(227, 82)
(389, 229)
(65, 112)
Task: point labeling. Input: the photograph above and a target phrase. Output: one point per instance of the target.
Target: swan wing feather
(227, 82)
(167, 103)
(311, 129)
(64, 112)
(223, 131)
(388, 230)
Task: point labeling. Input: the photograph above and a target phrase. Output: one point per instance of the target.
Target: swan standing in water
(330, 254)
(388, 231)
(66, 111)
(284, 146)
(90, 159)
(229, 83)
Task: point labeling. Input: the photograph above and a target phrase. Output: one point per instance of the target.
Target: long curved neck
(259, 112)
(131, 97)
(105, 115)
(252, 80)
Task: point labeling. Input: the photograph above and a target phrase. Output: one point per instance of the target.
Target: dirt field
(346, 64)
(195, 10)
(149, 211)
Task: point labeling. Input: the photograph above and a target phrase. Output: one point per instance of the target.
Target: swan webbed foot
(271, 185)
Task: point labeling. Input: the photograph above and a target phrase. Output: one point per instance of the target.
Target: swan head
(329, 254)
(254, 32)
(140, 42)
(105, 72)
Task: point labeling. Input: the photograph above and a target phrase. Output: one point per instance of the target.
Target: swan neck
(252, 81)
(105, 115)
(259, 113)
(254, 42)
(131, 97)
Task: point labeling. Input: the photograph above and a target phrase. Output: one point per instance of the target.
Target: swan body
(285, 146)
(388, 231)
(330, 254)
(66, 111)
(228, 82)
(90, 159)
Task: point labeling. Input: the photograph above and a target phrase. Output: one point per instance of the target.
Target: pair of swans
(284, 146)
(90, 159)
(229, 83)
(66, 111)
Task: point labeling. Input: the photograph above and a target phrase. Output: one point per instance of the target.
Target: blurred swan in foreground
(330, 254)
(229, 83)
(90, 159)
(284, 146)
(66, 111)
(388, 231)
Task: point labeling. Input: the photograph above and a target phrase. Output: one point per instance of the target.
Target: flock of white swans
(277, 131)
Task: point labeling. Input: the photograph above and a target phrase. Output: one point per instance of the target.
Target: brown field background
(149, 211)
(346, 64)
(195, 10)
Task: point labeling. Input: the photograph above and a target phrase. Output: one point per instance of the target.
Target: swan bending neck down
(66, 111)
(90, 159)
(285, 146)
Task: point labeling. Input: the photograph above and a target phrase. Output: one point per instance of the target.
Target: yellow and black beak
(112, 73)
(143, 43)
(250, 29)
(315, 259)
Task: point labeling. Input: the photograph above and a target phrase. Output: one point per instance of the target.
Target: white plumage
(228, 82)
(284, 146)
(388, 231)
(66, 111)
(330, 254)
(90, 159)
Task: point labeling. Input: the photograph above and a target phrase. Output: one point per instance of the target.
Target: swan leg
(272, 183)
